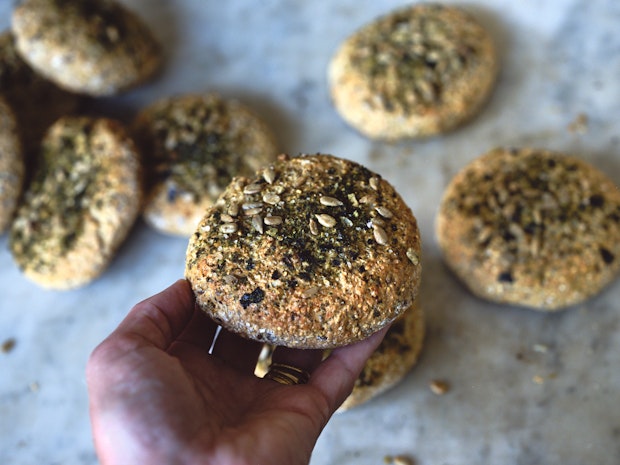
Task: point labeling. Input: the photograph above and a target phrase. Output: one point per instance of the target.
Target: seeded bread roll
(418, 71)
(393, 359)
(11, 165)
(83, 200)
(35, 101)
(312, 252)
(531, 227)
(94, 47)
(195, 144)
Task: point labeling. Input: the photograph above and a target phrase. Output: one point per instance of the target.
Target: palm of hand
(158, 396)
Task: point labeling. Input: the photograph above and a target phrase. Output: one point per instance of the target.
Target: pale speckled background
(560, 58)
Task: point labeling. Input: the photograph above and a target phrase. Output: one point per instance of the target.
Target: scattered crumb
(8, 345)
(540, 348)
(34, 387)
(579, 124)
(538, 379)
(398, 460)
(439, 387)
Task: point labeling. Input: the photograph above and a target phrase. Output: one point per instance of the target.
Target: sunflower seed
(252, 189)
(257, 222)
(326, 220)
(310, 292)
(330, 201)
(233, 209)
(377, 222)
(384, 212)
(413, 256)
(374, 182)
(228, 228)
(269, 175)
(252, 205)
(367, 199)
(346, 221)
(253, 211)
(314, 229)
(271, 198)
(381, 236)
(272, 220)
(226, 218)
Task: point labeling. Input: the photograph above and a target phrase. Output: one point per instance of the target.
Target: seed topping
(233, 209)
(228, 228)
(257, 223)
(272, 220)
(380, 235)
(330, 201)
(326, 220)
(252, 205)
(384, 212)
(269, 175)
(253, 188)
(413, 256)
(314, 229)
(271, 198)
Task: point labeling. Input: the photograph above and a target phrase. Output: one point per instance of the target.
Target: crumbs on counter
(439, 387)
(8, 345)
(579, 125)
(398, 460)
(540, 348)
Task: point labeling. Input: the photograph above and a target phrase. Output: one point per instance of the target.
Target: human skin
(157, 396)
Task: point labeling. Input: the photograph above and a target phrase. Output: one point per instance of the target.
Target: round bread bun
(11, 165)
(388, 365)
(94, 47)
(417, 71)
(531, 227)
(35, 101)
(311, 252)
(195, 144)
(82, 202)
(393, 359)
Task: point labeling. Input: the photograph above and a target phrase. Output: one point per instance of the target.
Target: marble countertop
(525, 387)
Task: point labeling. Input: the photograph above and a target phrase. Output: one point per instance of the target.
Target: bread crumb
(579, 125)
(439, 387)
(398, 460)
(540, 348)
(34, 386)
(8, 345)
(538, 379)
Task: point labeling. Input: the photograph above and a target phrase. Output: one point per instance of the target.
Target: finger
(238, 352)
(336, 376)
(160, 319)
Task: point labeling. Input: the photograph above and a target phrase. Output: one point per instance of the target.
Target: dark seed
(607, 256)
(254, 297)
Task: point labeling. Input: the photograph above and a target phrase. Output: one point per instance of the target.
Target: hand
(158, 397)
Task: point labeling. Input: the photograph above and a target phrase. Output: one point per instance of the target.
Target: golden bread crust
(81, 204)
(531, 227)
(312, 252)
(418, 71)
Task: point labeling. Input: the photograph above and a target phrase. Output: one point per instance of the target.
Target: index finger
(336, 375)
